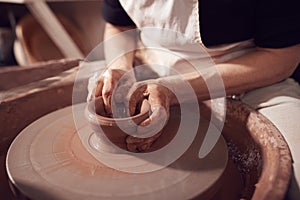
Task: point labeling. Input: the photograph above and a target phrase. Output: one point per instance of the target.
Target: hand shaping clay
(115, 129)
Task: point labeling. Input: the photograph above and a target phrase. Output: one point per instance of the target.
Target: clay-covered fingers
(155, 123)
(95, 85)
(135, 96)
(111, 80)
(98, 88)
(150, 129)
(159, 101)
(135, 144)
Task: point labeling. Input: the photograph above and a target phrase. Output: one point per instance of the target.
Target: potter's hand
(112, 83)
(150, 129)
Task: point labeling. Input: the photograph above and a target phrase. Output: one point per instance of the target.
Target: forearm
(259, 68)
(256, 69)
(119, 46)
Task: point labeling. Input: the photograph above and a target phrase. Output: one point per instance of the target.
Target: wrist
(123, 62)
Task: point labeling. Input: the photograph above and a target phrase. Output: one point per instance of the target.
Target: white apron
(158, 18)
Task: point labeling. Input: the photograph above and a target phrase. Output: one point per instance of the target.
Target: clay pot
(110, 129)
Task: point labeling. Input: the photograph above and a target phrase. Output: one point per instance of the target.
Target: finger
(98, 88)
(135, 97)
(143, 147)
(150, 129)
(155, 123)
(95, 85)
(113, 79)
(132, 147)
(154, 127)
(132, 140)
(110, 80)
(141, 141)
(107, 93)
(141, 144)
(107, 104)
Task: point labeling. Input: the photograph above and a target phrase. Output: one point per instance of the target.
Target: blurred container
(34, 45)
(6, 46)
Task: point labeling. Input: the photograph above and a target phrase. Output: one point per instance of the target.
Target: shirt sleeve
(277, 23)
(113, 12)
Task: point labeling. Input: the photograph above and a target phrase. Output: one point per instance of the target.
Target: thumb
(95, 85)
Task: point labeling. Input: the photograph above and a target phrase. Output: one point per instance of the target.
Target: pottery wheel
(48, 161)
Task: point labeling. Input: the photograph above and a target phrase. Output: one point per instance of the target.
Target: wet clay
(116, 129)
(47, 162)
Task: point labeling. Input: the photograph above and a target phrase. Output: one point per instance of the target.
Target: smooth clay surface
(48, 161)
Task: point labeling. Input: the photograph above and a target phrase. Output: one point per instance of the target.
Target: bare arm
(256, 69)
(119, 40)
(119, 46)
